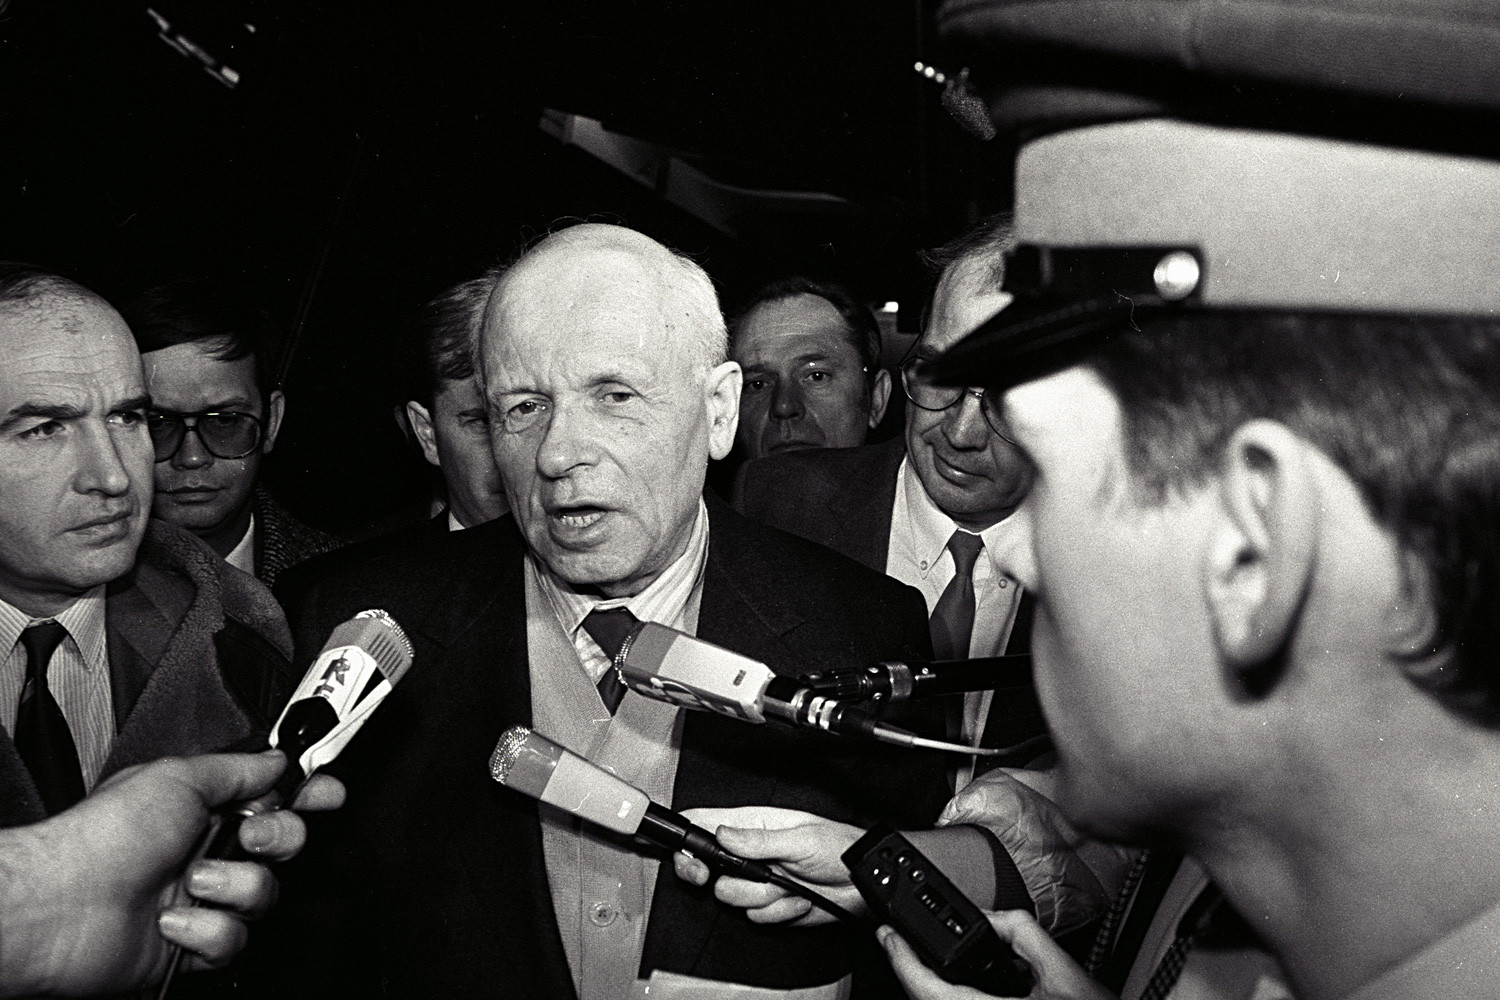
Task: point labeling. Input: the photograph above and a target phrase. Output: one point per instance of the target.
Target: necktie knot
(965, 547)
(41, 641)
(611, 628)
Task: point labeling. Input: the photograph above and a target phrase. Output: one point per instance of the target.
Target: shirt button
(1002, 584)
(602, 914)
(924, 565)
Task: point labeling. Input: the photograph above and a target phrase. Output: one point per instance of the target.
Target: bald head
(593, 262)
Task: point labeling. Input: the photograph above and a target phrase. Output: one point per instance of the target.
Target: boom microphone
(898, 681)
(668, 665)
(535, 766)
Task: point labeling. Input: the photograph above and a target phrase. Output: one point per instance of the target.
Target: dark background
(369, 157)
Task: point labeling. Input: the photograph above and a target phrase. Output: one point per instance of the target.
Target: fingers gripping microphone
(535, 766)
(360, 664)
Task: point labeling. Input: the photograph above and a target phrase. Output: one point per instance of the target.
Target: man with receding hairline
(119, 642)
(603, 363)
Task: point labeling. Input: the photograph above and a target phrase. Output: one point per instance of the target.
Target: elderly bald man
(603, 363)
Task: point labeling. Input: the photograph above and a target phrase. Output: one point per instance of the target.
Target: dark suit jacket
(431, 883)
(838, 497)
(843, 498)
(198, 661)
(295, 582)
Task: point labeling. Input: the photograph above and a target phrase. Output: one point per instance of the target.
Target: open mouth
(578, 517)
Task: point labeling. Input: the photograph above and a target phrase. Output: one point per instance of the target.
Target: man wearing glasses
(930, 509)
(214, 413)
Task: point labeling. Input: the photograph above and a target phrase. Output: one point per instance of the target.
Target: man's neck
(40, 604)
(225, 535)
(1346, 883)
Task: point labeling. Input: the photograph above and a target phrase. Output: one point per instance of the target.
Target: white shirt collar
(242, 556)
(925, 529)
(663, 600)
(83, 620)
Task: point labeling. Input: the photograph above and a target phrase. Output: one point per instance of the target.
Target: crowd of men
(1224, 471)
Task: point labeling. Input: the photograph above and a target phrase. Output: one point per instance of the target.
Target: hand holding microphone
(535, 766)
(358, 667)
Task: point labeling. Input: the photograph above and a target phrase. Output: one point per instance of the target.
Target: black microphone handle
(899, 681)
(986, 673)
(674, 831)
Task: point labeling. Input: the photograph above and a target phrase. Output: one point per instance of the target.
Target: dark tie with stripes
(42, 736)
(610, 629)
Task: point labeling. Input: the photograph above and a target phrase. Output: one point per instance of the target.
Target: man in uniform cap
(1254, 358)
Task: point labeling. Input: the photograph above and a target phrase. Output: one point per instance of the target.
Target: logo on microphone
(335, 673)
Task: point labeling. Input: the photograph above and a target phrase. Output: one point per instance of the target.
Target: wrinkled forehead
(587, 301)
(791, 325)
(55, 312)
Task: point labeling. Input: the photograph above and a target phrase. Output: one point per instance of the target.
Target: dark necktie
(610, 629)
(42, 736)
(952, 621)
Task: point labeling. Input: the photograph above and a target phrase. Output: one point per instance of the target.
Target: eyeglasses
(224, 434)
(924, 393)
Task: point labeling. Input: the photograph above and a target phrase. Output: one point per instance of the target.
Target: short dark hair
(859, 321)
(1408, 407)
(198, 309)
(445, 334)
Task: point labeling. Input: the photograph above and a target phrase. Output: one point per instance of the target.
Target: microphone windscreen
(535, 766)
(377, 633)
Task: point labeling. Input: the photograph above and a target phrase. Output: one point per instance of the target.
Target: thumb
(221, 778)
(751, 842)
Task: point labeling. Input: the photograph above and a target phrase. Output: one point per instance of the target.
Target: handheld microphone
(535, 766)
(360, 664)
(897, 681)
(668, 665)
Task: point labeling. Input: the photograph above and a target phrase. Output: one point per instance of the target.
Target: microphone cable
(814, 897)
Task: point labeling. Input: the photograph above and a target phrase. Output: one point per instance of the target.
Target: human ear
(880, 396)
(421, 426)
(274, 413)
(1261, 554)
(721, 391)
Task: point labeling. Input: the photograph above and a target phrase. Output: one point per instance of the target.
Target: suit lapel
(748, 610)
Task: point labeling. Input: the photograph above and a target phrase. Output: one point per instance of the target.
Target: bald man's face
(602, 417)
(75, 457)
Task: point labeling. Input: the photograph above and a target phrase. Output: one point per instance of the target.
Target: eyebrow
(47, 411)
(141, 402)
(235, 404)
